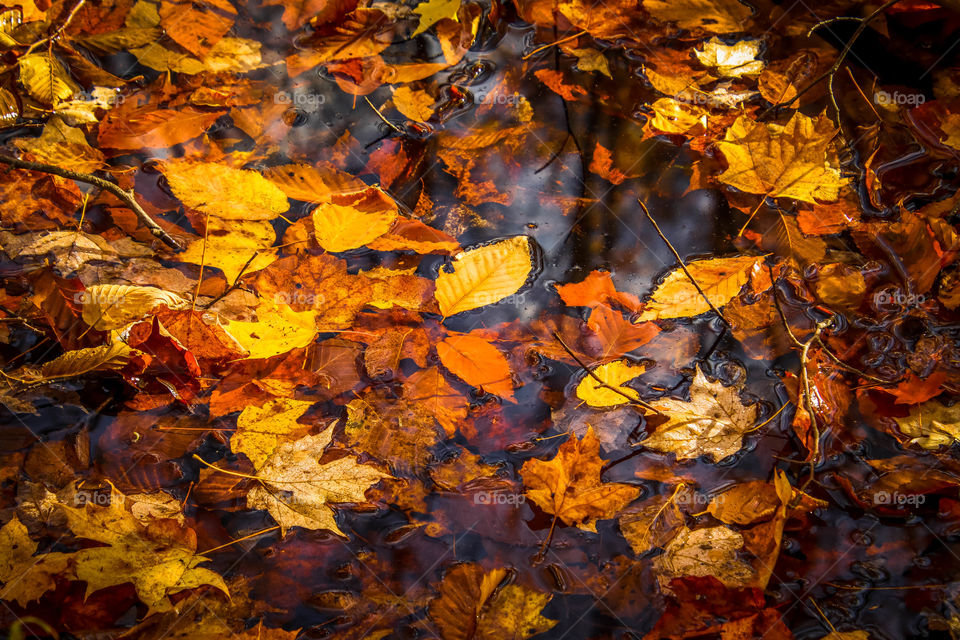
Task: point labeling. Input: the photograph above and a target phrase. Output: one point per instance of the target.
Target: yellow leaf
(731, 61)
(569, 485)
(225, 192)
(712, 423)
(715, 16)
(81, 361)
(111, 306)
(260, 430)
(514, 613)
(277, 330)
(720, 279)
(434, 11)
(45, 79)
(613, 374)
(484, 275)
(25, 576)
(591, 60)
(673, 116)
(711, 551)
(297, 490)
(341, 228)
(796, 160)
(159, 562)
(230, 244)
(931, 425)
(415, 105)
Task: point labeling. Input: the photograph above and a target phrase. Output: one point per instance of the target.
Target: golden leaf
(711, 551)
(315, 184)
(260, 430)
(25, 576)
(591, 60)
(297, 490)
(277, 330)
(712, 423)
(715, 16)
(569, 485)
(484, 275)
(514, 614)
(341, 228)
(931, 425)
(415, 105)
(613, 374)
(159, 560)
(45, 79)
(433, 11)
(673, 116)
(795, 160)
(111, 306)
(720, 279)
(731, 61)
(82, 361)
(231, 245)
(651, 524)
(225, 192)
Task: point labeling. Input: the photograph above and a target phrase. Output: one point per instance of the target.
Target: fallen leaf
(478, 363)
(719, 278)
(613, 374)
(484, 275)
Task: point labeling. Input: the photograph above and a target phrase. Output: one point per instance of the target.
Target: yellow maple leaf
(484, 275)
(673, 116)
(24, 576)
(159, 560)
(613, 374)
(712, 423)
(569, 485)
(720, 279)
(514, 613)
(796, 160)
(260, 430)
(297, 490)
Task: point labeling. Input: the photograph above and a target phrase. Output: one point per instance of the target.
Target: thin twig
(600, 382)
(127, 197)
(236, 281)
(554, 43)
(377, 111)
(682, 265)
(829, 73)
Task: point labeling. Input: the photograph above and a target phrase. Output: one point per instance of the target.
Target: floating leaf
(484, 275)
(719, 278)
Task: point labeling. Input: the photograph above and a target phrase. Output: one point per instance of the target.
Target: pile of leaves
(488, 319)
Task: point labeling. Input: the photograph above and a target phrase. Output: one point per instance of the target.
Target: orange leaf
(478, 363)
(595, 290)
(554, 80)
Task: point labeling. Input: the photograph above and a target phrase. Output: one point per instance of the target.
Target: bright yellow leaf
(720, 279)
(225, 192)
(484, 275)
(613, 374)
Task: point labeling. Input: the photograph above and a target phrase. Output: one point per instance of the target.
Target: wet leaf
(720, 279)
(484, 275)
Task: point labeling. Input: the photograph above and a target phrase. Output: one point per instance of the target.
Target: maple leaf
(569, 485)
(26, 577)
(617, 334)
(783, 161)
(719, 278)
(159, 560)
(484, 275)
(711, 551)
(298, 491)
(712, 423)
(731, 61)
(260, 430)
(464, 591)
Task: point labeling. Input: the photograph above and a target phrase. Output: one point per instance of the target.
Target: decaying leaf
(569, 486)
(712, 423)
